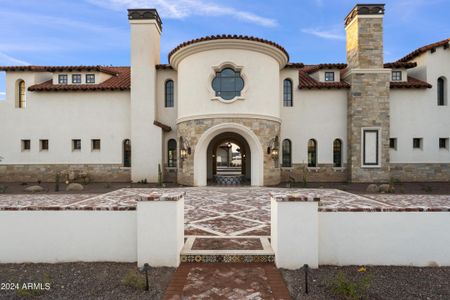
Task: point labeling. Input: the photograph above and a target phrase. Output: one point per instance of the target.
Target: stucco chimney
(146, 138)
(368, 120)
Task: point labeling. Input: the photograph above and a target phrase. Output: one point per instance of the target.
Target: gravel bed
(83, 281)
(386, 282)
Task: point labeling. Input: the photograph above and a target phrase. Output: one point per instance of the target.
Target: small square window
(90, 78)
(26, 145)
(396, 75)
(76, 78)
(43, 145)
(76, 145)
(417, 143)
(95, 145)
(393, 143)
(62, 78)
(329, 76)
(443, 143)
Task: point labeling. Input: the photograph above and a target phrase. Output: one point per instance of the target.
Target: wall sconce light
(183, 153)
(273, 148)
(185, 149)
(275, 153)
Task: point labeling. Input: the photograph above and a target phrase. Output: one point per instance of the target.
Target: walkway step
(213, 249)
(227, 281)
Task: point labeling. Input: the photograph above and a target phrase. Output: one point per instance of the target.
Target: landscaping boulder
(74, 187)
(34, 189)
(373, 188)
(386, 188)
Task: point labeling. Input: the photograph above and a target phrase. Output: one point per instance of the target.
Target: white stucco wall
(67, 236)
(315, 114)
(415, 113)
(61, 117)
(261, 75)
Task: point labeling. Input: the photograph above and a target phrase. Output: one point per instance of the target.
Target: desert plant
(133, 280)
(57, 182)
(159, 175)
(3, 189)
(349, 289)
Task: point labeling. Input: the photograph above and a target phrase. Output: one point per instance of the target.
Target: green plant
(3, 189)
(45, 281)
(159, 175)
(57, 182)
(134, 280)
(348, 289)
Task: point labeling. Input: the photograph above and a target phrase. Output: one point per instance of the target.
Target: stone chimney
(146, 138)
(368, 98)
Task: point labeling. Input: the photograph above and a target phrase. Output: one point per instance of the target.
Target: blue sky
(96, 32)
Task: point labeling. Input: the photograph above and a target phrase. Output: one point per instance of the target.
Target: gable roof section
(53, 69)
(120, 81)
(421, 50)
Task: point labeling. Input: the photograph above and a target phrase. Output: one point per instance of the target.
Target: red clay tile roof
(163, 67)
(120, 81)
(307, 82)
(294, 65)
(400, 64)
(103, 69)
(411, 83)
(314, 68)
(227, 37)
(424, 49)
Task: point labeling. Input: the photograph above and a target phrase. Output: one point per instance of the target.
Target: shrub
(348, 289)
(133, 280)
(3, 189)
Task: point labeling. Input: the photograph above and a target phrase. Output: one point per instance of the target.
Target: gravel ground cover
(383, 282)
(81, 281)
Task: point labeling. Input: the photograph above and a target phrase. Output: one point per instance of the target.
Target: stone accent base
(323, 173)
(47, 172)
(421, 172)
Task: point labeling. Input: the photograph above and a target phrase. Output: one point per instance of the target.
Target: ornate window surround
(220, 67)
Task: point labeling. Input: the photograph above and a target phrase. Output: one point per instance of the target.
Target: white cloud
(5, 59)
(2, 98)
(180, 9)
(329, 34)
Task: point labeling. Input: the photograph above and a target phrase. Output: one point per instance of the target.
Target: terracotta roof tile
(227, 37)
(103, 69)
(163, 67)
(314, 68)
(307, 82)
(120, 81)
(424, 49)
(411, 83)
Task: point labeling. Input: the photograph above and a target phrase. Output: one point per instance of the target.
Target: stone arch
(200, 153)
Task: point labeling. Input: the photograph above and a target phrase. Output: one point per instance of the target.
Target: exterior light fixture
(183, 153)
(273, 148)
(275, 153)
(185, 149)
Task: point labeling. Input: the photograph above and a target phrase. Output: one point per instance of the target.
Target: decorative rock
(373, 188)
(386, 188)
(34, 189)
(73, 187)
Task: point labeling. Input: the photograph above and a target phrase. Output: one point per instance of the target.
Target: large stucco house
(360, 121)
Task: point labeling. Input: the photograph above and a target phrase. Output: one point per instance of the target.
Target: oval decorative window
(228, 84)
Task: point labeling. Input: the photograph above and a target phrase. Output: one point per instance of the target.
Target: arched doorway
(228, 159)
(255, 162)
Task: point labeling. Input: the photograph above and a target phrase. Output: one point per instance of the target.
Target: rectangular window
(417, 143)
(329, 76)
(76, 78)
(95, 145)
(62, 78)
(393, 143)
(76, 145)
(43, 145)
(396, 75)
(90, 78)
(26, 145)
(443, 143)
(370, 147)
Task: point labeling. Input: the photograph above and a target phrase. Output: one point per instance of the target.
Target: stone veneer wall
(192, 130)
(323, 173)
(47, 172)
(416, 172)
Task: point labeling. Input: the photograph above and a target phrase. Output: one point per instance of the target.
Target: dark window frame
(172, 153)
(288, 97)
(63, 79)
(393, 143)
(90, 78)
(169, 93)
(219, 84)
(76, 144)
(96, 144)
(76, 78)
(25, 145)
(286, 153)
(312, 153)
(417, 143)
(377, 154)
(441, 91)
(329, 79)
(443, 143)
(396, 76)
(126, 151)
(337, 154)
(43, 145)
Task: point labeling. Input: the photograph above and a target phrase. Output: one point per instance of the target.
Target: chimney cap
(364, 9)
(144, 14)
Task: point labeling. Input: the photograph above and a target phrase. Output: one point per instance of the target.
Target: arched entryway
(228, 159)
(237, 134)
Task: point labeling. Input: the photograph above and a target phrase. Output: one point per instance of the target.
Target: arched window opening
(127, 153)
(21, 94)
(228, 84)
(169, 94)
(286, 153)
(337, 153)
(287, 93)
(312, 153)
(442, 91)
(172, 153)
